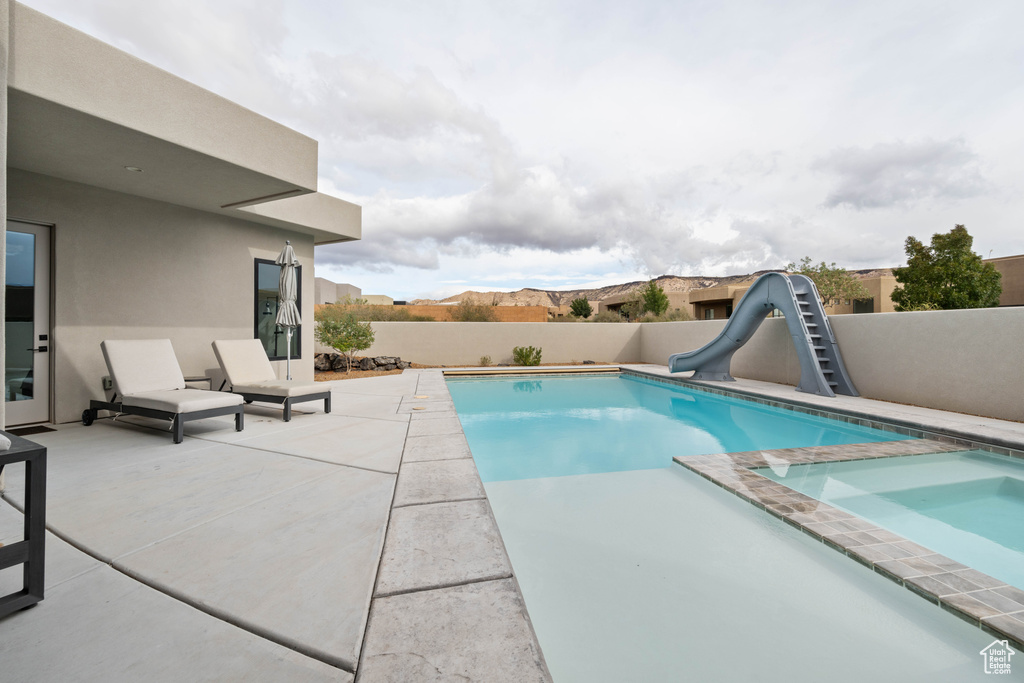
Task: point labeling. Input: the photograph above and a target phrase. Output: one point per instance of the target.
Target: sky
(561, 144)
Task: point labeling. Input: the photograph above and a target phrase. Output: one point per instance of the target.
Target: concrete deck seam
(434, 587)
(437, 502)
(110, 560)
(380, 559)
(313, 653)
(301, 457)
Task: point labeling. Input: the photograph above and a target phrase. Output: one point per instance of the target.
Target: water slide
(821, 366)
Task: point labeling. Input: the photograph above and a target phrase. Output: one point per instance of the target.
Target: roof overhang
(81, 110)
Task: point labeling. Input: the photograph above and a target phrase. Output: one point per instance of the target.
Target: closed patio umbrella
(287, 312)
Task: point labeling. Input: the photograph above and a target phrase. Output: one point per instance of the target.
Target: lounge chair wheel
(87, 417)
(248, 401)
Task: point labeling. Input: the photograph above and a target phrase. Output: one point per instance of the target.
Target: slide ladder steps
(822, 343)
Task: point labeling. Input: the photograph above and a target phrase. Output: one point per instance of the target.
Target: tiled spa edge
(975, 597)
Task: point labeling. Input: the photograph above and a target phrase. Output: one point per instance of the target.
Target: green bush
(485, 361)
(607, 317)
(526, 355)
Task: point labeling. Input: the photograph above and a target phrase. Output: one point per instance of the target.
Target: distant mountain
(670, 283)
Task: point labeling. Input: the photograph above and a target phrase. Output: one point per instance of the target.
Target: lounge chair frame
(178, 420)
(285, 401)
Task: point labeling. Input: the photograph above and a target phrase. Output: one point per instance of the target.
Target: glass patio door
(27, 324)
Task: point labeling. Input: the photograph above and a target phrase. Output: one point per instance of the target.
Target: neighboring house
(139, 205)
(1012, 270)
(717, 303)
(327, 292)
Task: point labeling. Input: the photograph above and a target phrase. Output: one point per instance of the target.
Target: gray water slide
(821, 366)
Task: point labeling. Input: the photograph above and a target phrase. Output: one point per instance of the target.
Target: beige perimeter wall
(131, 268)
(444, 343)
(968, 361)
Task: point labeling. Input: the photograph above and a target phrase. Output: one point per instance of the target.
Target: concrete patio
(261, 555)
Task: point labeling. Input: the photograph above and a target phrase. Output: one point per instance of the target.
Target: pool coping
(979, 599)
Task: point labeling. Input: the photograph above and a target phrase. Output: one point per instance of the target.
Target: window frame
(297, 335)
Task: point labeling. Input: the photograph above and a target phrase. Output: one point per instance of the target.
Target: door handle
(41, 349)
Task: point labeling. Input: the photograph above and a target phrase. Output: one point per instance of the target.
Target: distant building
(1012, 270)
(327, 292)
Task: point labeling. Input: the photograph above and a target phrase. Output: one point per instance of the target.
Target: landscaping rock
(325, 362)
(589, 362)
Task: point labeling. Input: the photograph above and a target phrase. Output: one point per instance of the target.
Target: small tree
(653, 299)
(581, 308)
(345, 334)
(946, 275)
(834, 284)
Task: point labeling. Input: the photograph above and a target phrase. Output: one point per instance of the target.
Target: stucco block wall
(445, 343)
(128, 267)
(969, 361)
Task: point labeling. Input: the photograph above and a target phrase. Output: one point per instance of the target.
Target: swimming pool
(964, 505)
(634, 569)
(522, 428)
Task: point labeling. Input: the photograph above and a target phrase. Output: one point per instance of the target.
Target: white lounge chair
(250, 374)
(148, 379)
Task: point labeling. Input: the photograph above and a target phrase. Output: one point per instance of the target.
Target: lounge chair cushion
(182, 400)
(244, 361)
(142, 365)
(281, 387)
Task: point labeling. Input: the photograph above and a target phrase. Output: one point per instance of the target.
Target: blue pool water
(556, 426)
(967, 506)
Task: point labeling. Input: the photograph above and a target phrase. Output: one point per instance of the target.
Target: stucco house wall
(126, 267)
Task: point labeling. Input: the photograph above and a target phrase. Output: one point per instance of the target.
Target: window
(709, 314)
(266, 282)
(728, 310)
(864, 306)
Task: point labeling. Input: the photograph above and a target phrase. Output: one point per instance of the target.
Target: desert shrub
(526, 355)
(468, 312)
(485, 361)
(607, 317)
(368, 312)
(675, 315)
(345, 334)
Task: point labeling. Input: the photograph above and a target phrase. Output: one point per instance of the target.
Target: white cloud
(902, 173)
(548, 139)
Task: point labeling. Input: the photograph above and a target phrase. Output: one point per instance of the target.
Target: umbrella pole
(288, 363)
